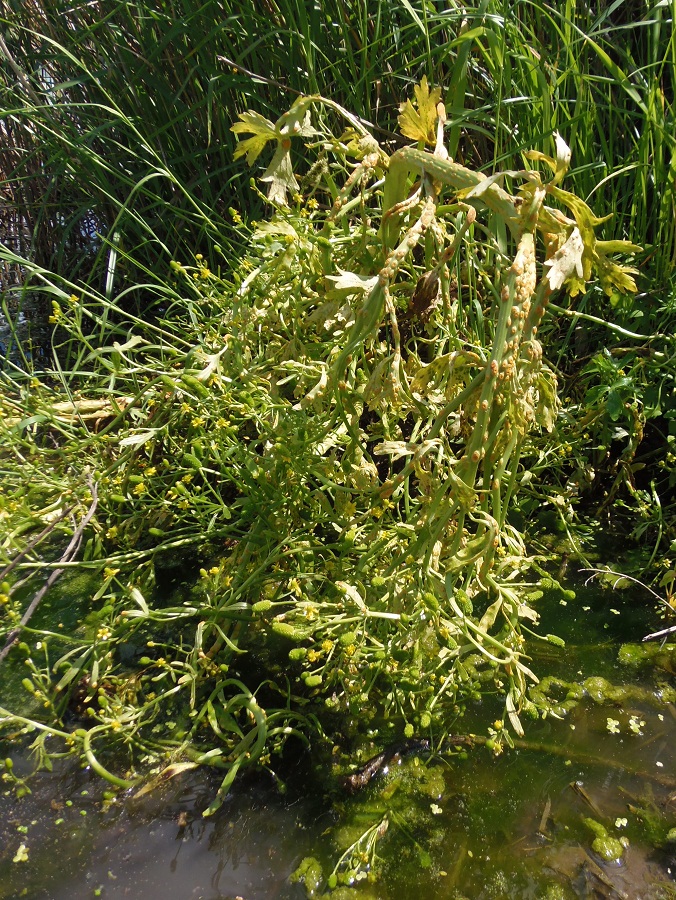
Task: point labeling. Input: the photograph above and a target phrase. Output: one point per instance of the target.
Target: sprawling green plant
(336, 431)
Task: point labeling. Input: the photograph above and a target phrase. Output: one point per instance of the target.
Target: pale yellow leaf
(418, 120)
(262, 129)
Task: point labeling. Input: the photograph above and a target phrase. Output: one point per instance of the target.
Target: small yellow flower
(151, 471)
(140, 488)
(312, 203)
(197, 421)
(103, 634)
(187, 478)
(110, 573)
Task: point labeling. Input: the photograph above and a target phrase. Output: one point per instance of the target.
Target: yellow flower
(151, 471)
(140, 488)
(110, 573)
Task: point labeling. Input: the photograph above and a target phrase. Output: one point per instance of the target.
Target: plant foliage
(336, 430)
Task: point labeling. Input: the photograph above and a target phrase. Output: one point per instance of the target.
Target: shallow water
(476, 827)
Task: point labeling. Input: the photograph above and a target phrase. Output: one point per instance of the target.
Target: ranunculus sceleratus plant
(340, 427)
(452, 415)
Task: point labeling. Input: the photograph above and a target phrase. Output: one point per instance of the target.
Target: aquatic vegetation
(340, 449)
(557, 697)
(609, 848)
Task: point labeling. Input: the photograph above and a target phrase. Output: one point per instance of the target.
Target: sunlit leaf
(347, 283)
(418, 120)
(262, 129)
(279, 175)
(566, 261)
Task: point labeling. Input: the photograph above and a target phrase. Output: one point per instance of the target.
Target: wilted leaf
(560, 165)
(566, 261)
(352, 592)
(418, 120)
(262, 129)
(348, 283)
(491, 614)
(297, 120)
(276, 226)
(140, 437)
(163, 777)
(512, 714)
(279, 175)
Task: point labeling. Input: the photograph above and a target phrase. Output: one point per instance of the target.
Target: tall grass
(116, 115)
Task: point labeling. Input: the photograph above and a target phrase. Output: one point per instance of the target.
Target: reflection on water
(155, 848)
(583, 810)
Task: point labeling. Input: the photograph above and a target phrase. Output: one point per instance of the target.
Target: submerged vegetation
(296, 460)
